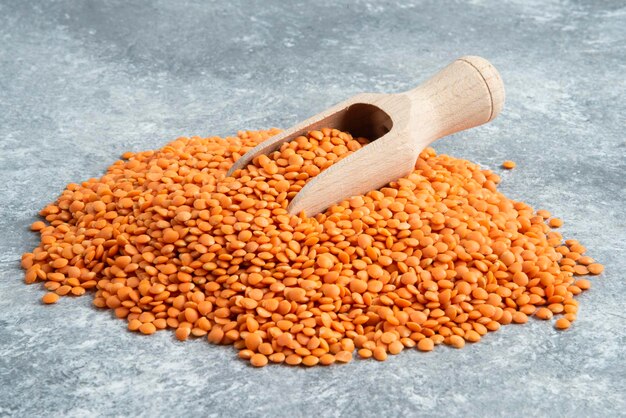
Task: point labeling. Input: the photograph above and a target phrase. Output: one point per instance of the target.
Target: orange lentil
(165, 240)
(543, 313)
(183, 333)
(395, 347)
(37, 226)
(147, 328)
(425, 344)
(456, 341)
(49, 298)
(277, 358)
(258, 360)
(595, 268)
(544, 213)
(388, 337)
(365, 353)
(562, 323)
(555, 223)
(583, 284)
(380, 354)
(508, 164)
(327, 359)
(325, 261)
(581, 270)
(571, 317)
(344, 356)
(310, 361)
(520, 318)
(134, 324)
(375, 271)
(293, 360)
(585, 260)
(253, 340)
(472, 336)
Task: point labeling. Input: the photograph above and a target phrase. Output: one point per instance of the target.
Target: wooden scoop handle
(467, 93)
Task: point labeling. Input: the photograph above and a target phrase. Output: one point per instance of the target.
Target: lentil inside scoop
(440, 256)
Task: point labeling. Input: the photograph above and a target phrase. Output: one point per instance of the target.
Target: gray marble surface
(83, 81)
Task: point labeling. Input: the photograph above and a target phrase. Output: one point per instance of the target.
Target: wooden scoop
(467, 93)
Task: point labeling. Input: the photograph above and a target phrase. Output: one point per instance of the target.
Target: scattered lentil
(50, 298)
(562, 323)
(595, 268)
(555, 223)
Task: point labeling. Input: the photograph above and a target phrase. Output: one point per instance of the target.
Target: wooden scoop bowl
(467, 93)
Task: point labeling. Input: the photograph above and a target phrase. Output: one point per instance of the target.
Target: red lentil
(425, 344)
(439, 256)
(595, 268)
(555, 223)
(544, 313)
(258, 360)
(50, 298)
(456, 341)
(562, 323)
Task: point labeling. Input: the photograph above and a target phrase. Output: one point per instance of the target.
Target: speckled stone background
(83, 81)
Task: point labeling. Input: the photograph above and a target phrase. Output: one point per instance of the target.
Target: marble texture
(83, 81)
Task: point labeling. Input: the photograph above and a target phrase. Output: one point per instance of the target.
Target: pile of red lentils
(166, 240)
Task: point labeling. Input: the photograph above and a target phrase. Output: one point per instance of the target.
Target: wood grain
(467, 93)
